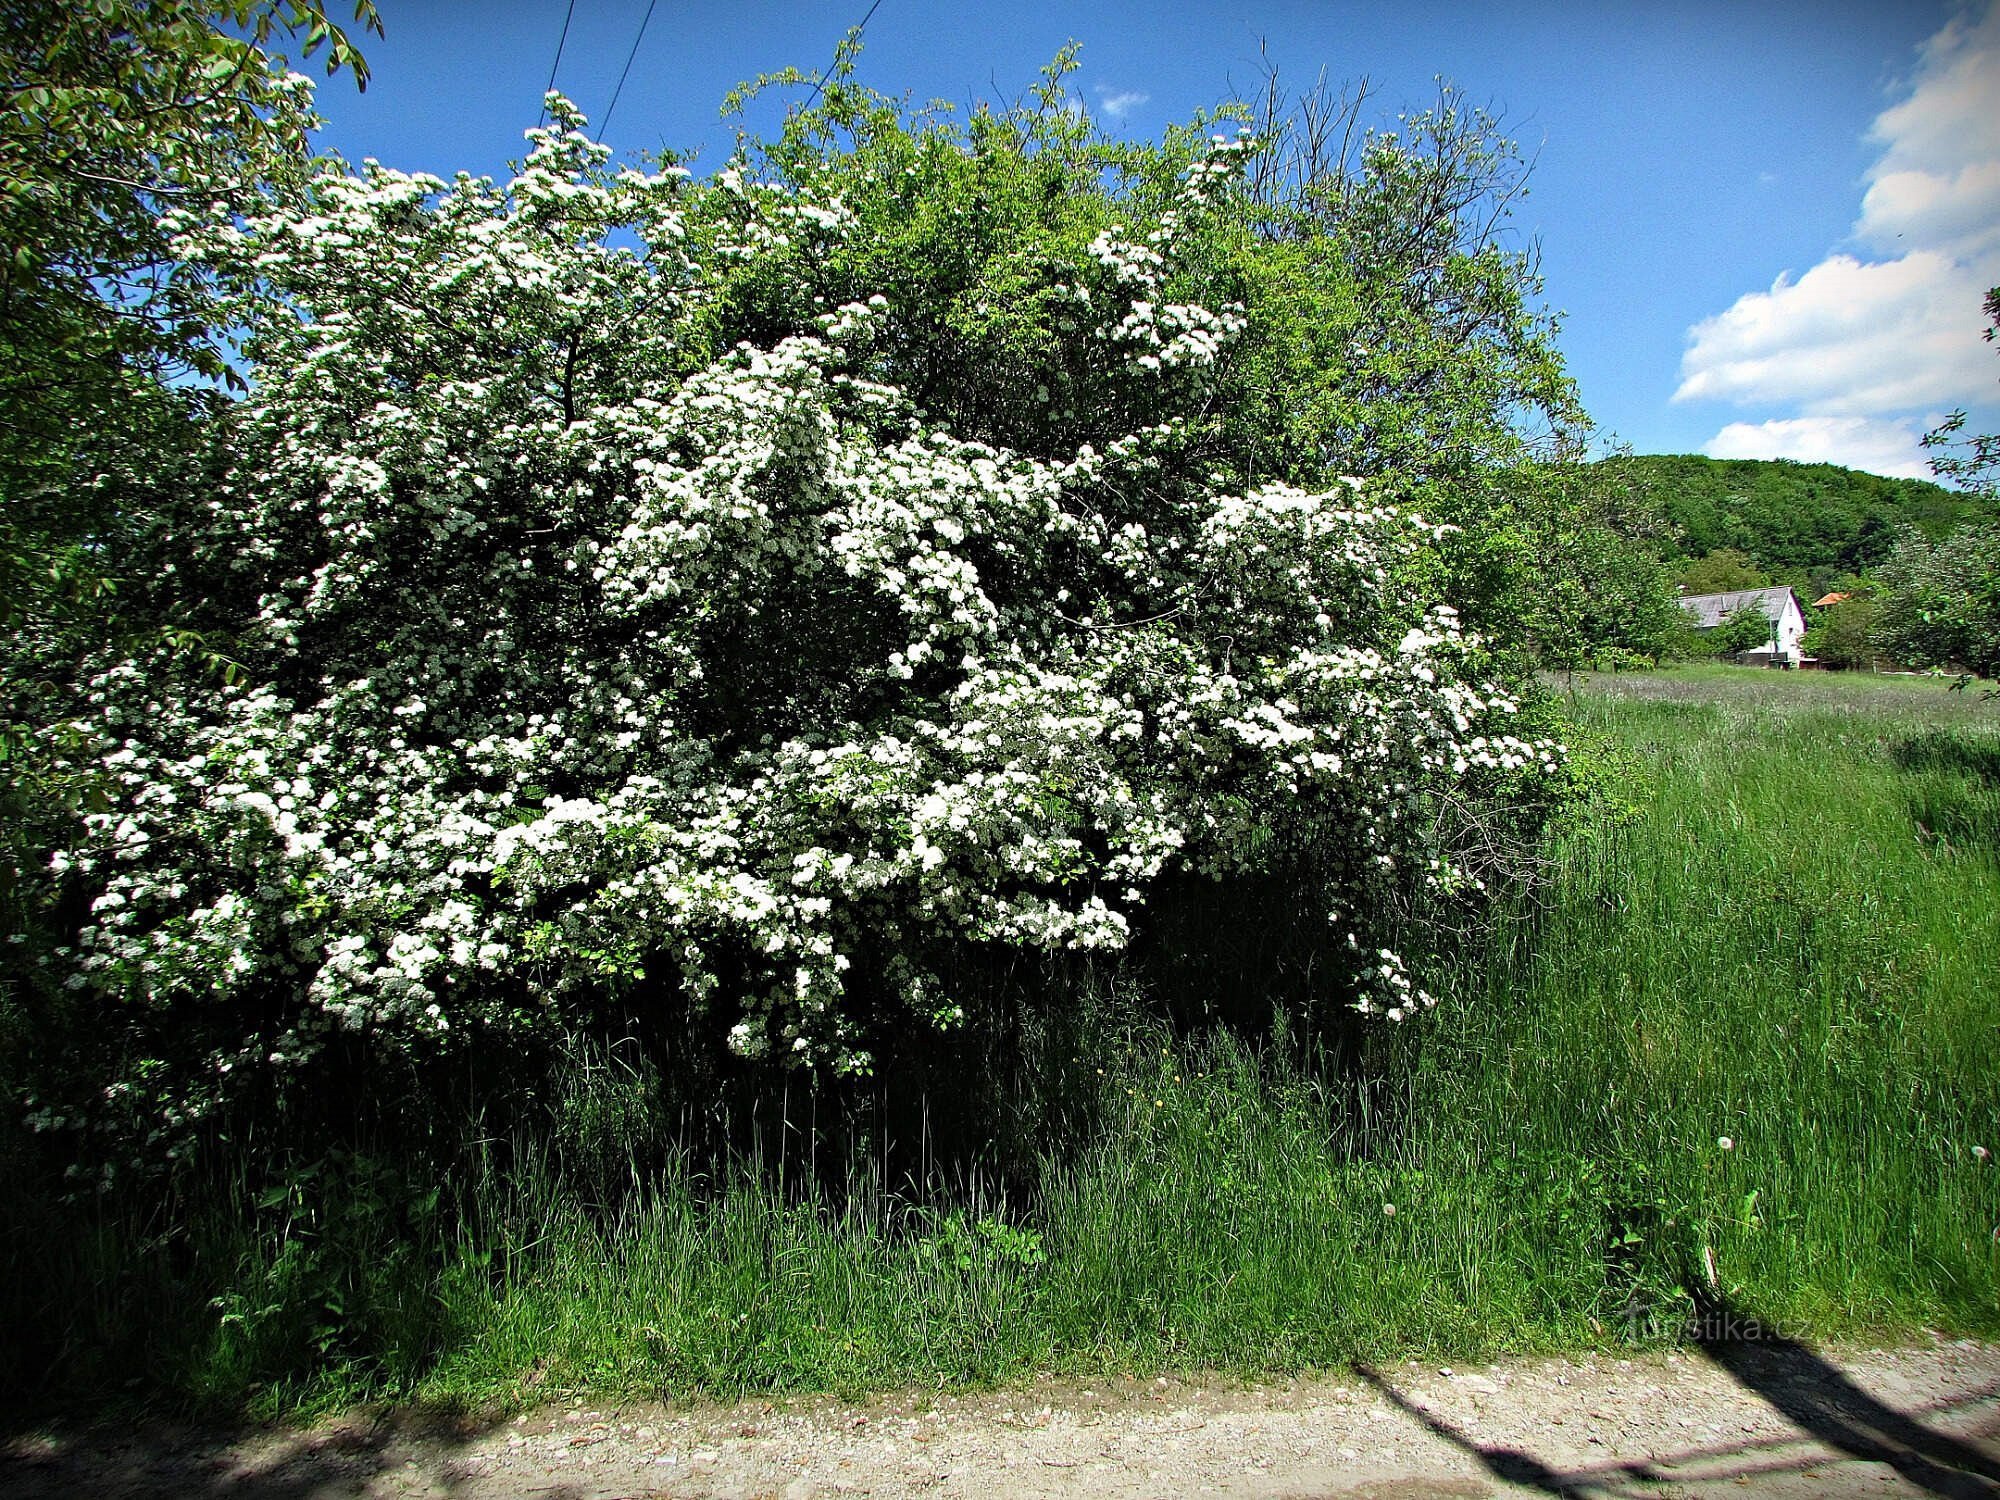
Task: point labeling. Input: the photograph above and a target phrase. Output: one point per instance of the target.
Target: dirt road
(1768, 1419)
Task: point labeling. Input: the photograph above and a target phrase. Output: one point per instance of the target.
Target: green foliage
(1395, 284)
(116, 114)
(1843, 636)
(1940, 600)
(1600, 592)
(968, 1246)
(1791, 522)
(1722, 571)
(1973, 462)
(337, 1271)
(1745, 630)
(1395, 332)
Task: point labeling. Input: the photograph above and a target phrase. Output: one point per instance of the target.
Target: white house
(1780, 607)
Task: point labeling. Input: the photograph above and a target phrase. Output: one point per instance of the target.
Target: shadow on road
(1510, 1464)
(345, 1458)
(1837, 1422)
(1817, 1397)
(1795, 1381)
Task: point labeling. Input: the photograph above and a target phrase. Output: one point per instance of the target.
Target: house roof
(1712, 609)
(1829, 600)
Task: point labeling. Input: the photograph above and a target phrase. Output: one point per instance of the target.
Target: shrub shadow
(1816, 1396)
(242, 1462)
(1954, 791)
(1944, 750)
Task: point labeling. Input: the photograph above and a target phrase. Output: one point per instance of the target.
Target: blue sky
(1768, 225)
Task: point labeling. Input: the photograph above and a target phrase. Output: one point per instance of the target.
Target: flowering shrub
(600, 636)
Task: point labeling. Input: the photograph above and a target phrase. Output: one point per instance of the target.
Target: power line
(820, 82)
(604, 125)
(560, 42)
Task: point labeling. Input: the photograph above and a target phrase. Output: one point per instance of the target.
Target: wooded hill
(1788, 518)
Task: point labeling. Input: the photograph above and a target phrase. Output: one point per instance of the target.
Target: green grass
(1763, 694)
(1790, 939)
(1795, 946)
(1215, 1223)
(1780, 947)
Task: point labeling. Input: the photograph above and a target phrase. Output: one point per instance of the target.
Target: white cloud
(1937, 183)
(1847, 338)
(1120, 103)
(1948, 118)
(1959, 211)
(1869, 341)
(1880, 447)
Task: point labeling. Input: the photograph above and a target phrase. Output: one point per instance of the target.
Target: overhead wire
(561, 42)
(820, 82)
(604, 124)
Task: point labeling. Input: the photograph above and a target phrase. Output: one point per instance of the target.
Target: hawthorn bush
(763, 602)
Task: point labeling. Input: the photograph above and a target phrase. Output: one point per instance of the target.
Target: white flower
(736, 651)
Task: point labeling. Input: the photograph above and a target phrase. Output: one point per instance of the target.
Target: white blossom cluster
(588, 655)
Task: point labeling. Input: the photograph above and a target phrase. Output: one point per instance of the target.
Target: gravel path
(1752, 1419)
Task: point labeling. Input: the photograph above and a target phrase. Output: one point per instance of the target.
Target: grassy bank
(1794, 947)
(1747, 1047)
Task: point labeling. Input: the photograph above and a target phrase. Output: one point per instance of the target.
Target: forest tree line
(1890, 570)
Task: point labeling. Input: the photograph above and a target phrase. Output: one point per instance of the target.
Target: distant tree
(1792, 520)
(1600, 586)
(1975, 461)
(1843, 635)
(1722, 571)
(1745, 630)
(1940, 601)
